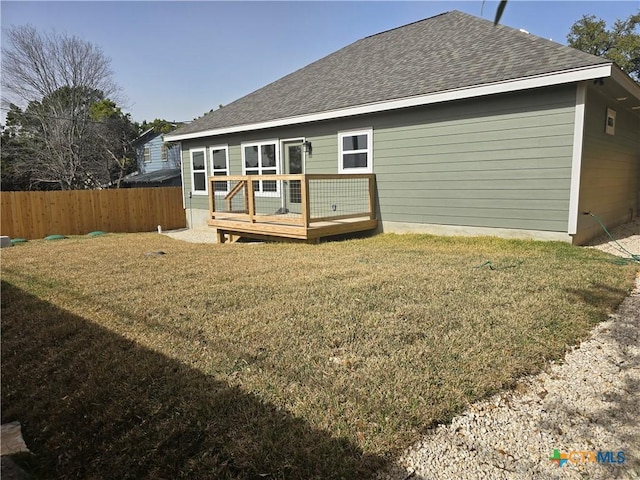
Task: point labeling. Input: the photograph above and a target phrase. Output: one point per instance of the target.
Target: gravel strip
(627, 236)
(193, 235)
(589, 402)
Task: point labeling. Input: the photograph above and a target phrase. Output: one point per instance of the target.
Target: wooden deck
(322, 206)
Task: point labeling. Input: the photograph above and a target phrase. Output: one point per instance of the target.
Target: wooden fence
(34, 215)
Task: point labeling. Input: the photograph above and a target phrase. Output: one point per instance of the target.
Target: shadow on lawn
(95, 405)
(599, 295)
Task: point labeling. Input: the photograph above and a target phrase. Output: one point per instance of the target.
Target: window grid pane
(251, 157)
(199, 182)
(198, 161)
(219, 159)
(354, 160)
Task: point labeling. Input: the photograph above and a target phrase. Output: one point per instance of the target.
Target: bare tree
(34, 65)
(53, 81)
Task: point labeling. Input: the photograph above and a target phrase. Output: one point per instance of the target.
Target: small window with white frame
(198, 171)
(355, 151)
(219, 156)
(610, 125)
(147, 154)
(163, 151)
(261, 158)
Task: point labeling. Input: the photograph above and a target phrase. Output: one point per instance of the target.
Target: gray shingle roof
(449, 51)
(154, 177)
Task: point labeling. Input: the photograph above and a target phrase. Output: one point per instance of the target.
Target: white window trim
(164, 152)
(213, 169)
(206, 182)
(145, 158)
(368, 151)
(261, 143)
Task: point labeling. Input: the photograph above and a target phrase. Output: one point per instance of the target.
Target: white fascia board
(545, 80)
(576, 160)
(625, 82)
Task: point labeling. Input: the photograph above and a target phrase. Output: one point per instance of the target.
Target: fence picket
(34, 215)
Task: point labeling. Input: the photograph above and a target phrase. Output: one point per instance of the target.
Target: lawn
(275, 360)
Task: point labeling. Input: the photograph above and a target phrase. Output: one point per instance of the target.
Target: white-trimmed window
(163, 152)
(147, 154)
(219, 156)
(261, 158)
(355, 151)
(198, 171)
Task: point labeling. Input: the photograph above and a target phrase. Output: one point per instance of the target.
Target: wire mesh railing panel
(338, 197)
(283, 200)
(229, 196)
(291, 198)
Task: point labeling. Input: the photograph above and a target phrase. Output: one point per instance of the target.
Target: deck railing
(292, 199)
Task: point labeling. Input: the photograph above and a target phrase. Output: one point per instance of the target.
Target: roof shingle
(446, 52)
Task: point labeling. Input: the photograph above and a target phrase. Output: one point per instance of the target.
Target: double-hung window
(261, 158)
(355, 151)
(198, 171)
(163, 152)
(147, 154)
(219, 156)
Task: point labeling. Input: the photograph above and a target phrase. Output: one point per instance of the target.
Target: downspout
(576, 160)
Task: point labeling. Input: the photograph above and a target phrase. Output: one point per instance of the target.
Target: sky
(178, 60)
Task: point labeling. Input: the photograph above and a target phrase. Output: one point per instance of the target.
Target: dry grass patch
(297, 361)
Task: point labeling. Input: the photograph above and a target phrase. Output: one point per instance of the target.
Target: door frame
(292, 140)
(285, 166)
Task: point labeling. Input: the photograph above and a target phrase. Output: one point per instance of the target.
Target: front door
(293, 165)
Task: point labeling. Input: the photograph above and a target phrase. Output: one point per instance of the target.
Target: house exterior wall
(156, 161)
(609, 184)
(498, 162)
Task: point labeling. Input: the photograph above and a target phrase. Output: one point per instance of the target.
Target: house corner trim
(576, 161)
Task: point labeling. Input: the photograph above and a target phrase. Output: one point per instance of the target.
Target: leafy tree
(117, 133)
(77, 139)
(13, 148)
(158, 126)
(620, 44)
(64, 115)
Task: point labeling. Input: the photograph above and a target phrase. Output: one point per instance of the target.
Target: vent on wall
(610, 125)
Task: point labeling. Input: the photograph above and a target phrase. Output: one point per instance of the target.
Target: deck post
(211, 199)
(304, 193)
(246, 194)
(251, 198)
(372, 197)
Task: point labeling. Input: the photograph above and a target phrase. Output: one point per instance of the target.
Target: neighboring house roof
(445, 53)
(150, 133)
(158, 176)
(145, 136)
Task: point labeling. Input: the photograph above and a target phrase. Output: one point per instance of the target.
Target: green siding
(499, 161)
(503, 161)
(610, 186)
